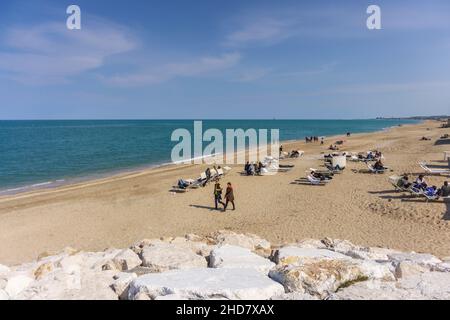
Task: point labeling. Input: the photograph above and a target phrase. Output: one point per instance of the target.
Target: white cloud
(50, 53)
(261, 30)
(251, 75)
(197, 67)
(326, 68)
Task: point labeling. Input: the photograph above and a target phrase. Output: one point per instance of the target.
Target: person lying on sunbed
(379, 165)
(403, 182)
(431, 191)
(320, 176)
(333, 147)
(444, 191)
(183, 184)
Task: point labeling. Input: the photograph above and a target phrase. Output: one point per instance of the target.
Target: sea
(46, 154)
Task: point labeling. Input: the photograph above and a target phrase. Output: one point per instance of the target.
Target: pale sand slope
(359, 207)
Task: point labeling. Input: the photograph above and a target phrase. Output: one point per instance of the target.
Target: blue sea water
(48, 153)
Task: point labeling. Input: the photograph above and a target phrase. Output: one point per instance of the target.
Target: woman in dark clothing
(229, 196)
(218, 195)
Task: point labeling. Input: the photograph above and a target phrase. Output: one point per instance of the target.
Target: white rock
(426, 260)
(3, 282)
(4, 269)
(377, 254)
(227, 256)
(294, 296)
(3, 295)
(424, 286)
(88, 285)
(249, 241)
(442, 267)
(431, 285)
(322, 276)
(293, 254)
(198, 247)
(126, 260)
(121, 284)
(207, 283)
(310, 243)
(17, 284)
(338, 245)
(406, 269)
(171, 297)
(374, 270)
(165, 256)
(373, 290)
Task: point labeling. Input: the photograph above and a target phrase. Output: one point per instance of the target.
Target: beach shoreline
(94, 178)
(359, 207)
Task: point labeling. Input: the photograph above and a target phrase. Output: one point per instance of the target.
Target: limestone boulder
(249, 241)
(121, 284)
(423, 286)
(405, 269)
(374, 253)
(125, 260)
(227, 256)
(4, 269)
(321, 276)
(59, 285)
(294, 296)
(17, 283)
(3, 295)
(422, 259)
(206, 283)
(201, 248)
(294, 254)
(165, 256)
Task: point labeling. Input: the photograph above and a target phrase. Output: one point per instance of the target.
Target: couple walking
(229, 195)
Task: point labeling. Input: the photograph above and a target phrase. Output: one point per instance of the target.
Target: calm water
(49, 153)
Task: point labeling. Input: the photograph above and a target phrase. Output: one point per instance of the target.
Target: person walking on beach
(218, 195)
(229, 197)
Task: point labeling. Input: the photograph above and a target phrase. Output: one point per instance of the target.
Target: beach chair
(326, 173)
(430, 197)
(373, 170)
(394, 181)
(415, 191)
(315, 181)
(424, 166)
(192, 184)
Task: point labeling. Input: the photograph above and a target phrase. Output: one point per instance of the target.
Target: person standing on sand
(229, 197)
(218, 195)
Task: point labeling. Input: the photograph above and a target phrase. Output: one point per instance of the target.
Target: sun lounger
(373, 170)
(424, 166)
(326, 173)
(394, 181)
(191, 184)
(315, 181)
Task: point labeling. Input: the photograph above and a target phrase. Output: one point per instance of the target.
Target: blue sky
(223, 59)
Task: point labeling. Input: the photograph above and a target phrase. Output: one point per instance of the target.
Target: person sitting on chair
(420, 182)
(444, 191)
(378, 165)
(403, 182)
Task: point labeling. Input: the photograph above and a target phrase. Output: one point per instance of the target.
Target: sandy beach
(356, 206)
